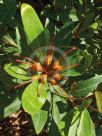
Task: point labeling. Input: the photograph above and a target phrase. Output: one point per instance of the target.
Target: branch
(22, 84)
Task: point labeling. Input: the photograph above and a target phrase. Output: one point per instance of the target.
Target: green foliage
(50, 95)
(35, 103)
(98, 95)
(17, 71)
(39, 119)
(87, 86)
(10, 103)
(8, 9)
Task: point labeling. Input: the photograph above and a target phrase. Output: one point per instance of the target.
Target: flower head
(50, 70)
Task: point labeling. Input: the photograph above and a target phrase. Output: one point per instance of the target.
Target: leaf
(74, 124)
(5, 77)
(61, 4)
(94, 25)
(9, 102)
(87, 86)
(57, 14)
(64, 34)
(78, 57)
(7, 10)
(81, 124)
(85, 104)
(56, 89)
(85, 127)
(53, 130)
(22, 42)
(68, 124)
(31, 102)
(13, 107)
(99, 131)
(73, 15)
(89, 18)
(39, 119)
(8, 40)
(98, 95)
(59, 108)
(18, 39)
(86, 61)
(56, 114)
(17, 71)
(33, 28)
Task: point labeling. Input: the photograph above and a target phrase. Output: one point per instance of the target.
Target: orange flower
(50, 70)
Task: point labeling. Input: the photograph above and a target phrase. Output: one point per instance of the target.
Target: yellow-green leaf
(17, 71)
(31, 102)
(98, 95)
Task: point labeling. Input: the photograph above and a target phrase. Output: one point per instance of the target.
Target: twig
(22, 84)
(92, 108)
(90, 96)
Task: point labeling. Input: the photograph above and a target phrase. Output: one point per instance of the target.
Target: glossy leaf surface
(39, 119)
(33, 27)
(31, 102)
(87, 86)
(17, 71)
(98, 95)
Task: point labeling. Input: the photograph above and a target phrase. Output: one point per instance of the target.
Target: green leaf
(7, 9)
(85, 62)
(22, 42)
(89, 18)
(98, 95)
(99, 131)
(11, 108)
(59, 108)
(74, 124)
(61, 4)
(8, 40)
(78, 57)
(94, 25)
(87, 86)
(39, 119)
(53, 130)
(56, 89)
(18, 39)
(85, 127)
(73, 15)
(33, 28)
(56, 114)
(5, 77)
(17, 71)
(57, 14)
(68, 124)
(81, 124)
(85, 104)
(31, 102)
(64, 34)
(9, 101)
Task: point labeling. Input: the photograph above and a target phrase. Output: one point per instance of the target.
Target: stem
(22, 84)
(90, 96)
(23, 62)
(27, 58)
(68, 52)
(94, 109)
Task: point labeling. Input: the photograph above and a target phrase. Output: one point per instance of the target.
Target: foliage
(50, 65)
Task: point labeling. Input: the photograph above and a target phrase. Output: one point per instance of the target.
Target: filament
(20, 61)
(68, 52)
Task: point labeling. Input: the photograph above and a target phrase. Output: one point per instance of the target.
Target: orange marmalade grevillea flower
(50, 71)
